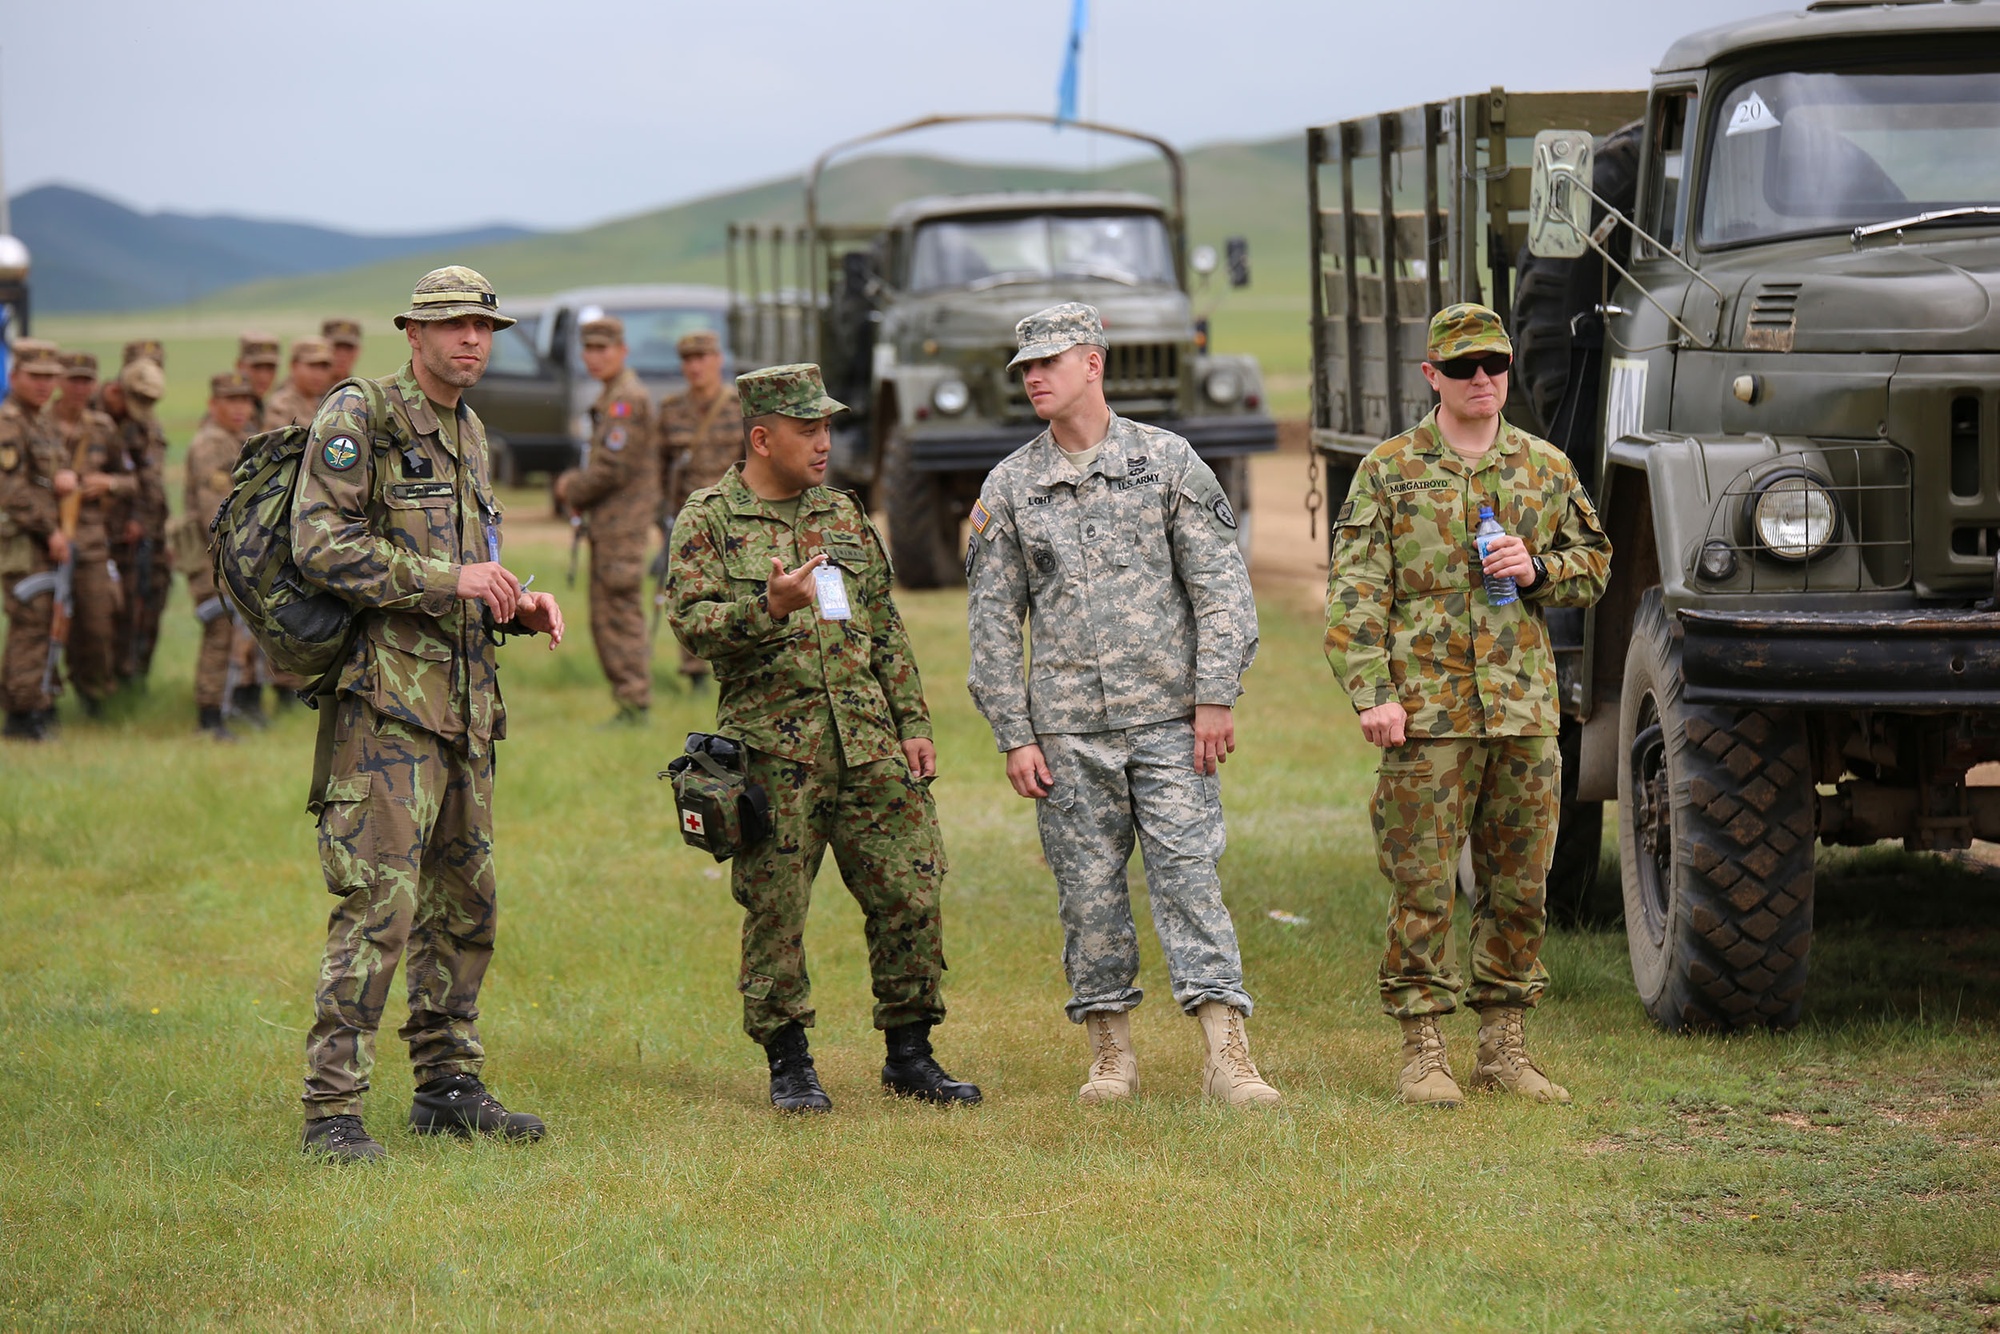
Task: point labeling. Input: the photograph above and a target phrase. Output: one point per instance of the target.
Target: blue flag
(1079, 19)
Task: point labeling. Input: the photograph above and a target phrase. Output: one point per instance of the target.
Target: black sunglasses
(1495, 364)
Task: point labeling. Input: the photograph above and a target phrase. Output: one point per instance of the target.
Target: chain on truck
(1756, 307)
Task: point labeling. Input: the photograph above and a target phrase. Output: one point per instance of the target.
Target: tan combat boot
(1426, 1079)
(1504, 1063)
(1114, 1070)
(1228, 1073)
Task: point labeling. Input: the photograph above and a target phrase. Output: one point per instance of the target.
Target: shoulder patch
(340, 453)
(982, 519)
(615, 440)
(621, 408)
(1224, 515)
(10, 458)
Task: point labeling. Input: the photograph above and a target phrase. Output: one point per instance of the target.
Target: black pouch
(721, 811)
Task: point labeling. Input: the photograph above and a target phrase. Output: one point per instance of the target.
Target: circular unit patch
(340, 453)
(1222, 511)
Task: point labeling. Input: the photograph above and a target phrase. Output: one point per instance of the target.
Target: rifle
(576, 531)
(62, 582)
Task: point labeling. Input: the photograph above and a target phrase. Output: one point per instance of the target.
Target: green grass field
(162, 913)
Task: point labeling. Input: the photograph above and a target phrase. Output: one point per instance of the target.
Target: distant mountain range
(91, 254)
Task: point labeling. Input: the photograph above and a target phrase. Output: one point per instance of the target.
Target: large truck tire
(1577, 896)
(1549, 293)
(923, 521)
(1716, 831)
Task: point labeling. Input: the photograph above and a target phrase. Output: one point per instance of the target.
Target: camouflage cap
(341, 333)
(699, 343)
(79, 365)
(789, 391)
(257, 349)
(450, 292)
(312, 351)
(604, 331)
(143, 380)
(37, 356)
(1057, 329)
(1465, 330)
(229, 384)
(152, 349)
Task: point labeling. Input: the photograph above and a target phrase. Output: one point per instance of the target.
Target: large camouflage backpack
(303, 630)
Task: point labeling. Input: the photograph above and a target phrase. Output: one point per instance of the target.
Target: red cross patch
(691, 823)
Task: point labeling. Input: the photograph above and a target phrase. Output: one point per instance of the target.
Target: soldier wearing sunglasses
(1459, 690)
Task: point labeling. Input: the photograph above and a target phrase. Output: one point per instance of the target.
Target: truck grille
(1138, 377)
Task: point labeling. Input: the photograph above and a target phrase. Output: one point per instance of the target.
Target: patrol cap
(257, 349)
(79, 365)
(1465, 330)
(604, 331)
(143, 379)
(152, 349)
(341, 333)
(37, 356)
(451, 292)
(789, 391)
(699, 343)
(312, 351)
(1057, 329)
(229, 384)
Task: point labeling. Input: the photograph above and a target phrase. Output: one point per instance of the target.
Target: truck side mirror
(1238, 249)
(1558, 207)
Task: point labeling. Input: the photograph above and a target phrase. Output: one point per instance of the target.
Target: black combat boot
(459, 1104)
(93, 708)
(794, 1082)
(247, 705)
(340, 1139)
(211, 725)
(912, 1072)
(23, 727)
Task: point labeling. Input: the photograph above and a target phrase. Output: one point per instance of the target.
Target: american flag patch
(981, 516)
(691, 823)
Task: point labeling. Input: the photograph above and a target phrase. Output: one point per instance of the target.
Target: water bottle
(1499, 587)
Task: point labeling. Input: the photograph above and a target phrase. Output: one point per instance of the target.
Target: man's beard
(439, 363)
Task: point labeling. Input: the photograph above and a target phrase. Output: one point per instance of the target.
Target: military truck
(913, 320)
(1755, 305)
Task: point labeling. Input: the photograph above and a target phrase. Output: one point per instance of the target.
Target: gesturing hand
(492, 583)
(538, 612)
(786, 593)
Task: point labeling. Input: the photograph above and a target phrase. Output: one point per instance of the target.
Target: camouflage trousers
(27, 651)
(883, 830)
(406, 842)
(138, 629)
(91, 656)
(1109, 787)
(618, 617)
(219, 644)
(1505, 792)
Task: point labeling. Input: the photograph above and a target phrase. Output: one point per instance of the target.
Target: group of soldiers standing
(87, 548)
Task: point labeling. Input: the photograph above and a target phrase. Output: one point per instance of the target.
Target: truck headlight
(951, 397)
(1223, 385)
(1793, 515)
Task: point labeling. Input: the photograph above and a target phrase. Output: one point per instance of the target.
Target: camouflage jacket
(206, 473)
(785, 683)
(143, 454)
(1137, 601)
(30, 457)
(699, 442)
(90, 444)
(385, 515)
(286, 407)
(1407, 615)
(619, 487)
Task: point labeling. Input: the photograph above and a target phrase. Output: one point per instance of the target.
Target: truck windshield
(652, 332)
(1798, 152)
(1129, 248)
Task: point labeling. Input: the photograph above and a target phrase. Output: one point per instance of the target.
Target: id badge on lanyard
(830, 589)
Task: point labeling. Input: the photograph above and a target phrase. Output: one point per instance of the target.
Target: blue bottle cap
(1485, 511)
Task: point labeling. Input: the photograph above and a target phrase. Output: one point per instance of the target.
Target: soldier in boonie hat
(143, 381)
(787, 391)
(702, 342)
(1057, 329)
(1465, 330)
(450, 293)
(151, 349)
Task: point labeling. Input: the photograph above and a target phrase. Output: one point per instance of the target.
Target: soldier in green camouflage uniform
(1461, 695)
(783, 585)
(395, 514)
(1116, 544)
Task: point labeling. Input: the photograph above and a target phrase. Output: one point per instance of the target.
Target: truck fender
(1626, 506)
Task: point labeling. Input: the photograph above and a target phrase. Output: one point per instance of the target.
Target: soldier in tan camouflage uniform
(1116, 544)
(1460, 695)
(618, 493)
(701, 438)
(257, 363)
(783, 584)
(211, 460)
(344, 338)
(33, 479)
(96, 455)
(395, 514)
(139, 546)
(294, 402)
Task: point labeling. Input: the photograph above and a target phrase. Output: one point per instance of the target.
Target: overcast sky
(415, 115)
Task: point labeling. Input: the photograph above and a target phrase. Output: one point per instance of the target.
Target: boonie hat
(257, 349)
(312, 351)
(79, 365)
(1057, 329)
(341, 333)
(229, 384)
(698, 343)
(788, 391)
(150, 348)
(451, 292)
(38, 356)
(604, 331)
(1465, 330)
(142, 378)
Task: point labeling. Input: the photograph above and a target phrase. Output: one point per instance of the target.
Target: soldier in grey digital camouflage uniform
(1118, 546)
